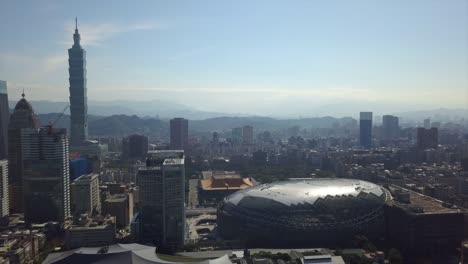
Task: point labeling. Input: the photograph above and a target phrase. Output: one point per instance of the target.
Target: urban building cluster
(386, 191)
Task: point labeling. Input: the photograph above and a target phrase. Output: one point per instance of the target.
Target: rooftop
(166, 154)
(209, 174)
(121, 253)
(149, 168)
(116, 198)
(173, 162)
(308, 191)
(422, 204)
(225, 182)
(86, 223)
(86, 178)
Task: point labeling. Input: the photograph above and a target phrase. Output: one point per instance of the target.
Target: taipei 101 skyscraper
(78, 91)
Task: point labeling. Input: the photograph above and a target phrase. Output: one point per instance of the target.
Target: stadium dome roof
(298, 192)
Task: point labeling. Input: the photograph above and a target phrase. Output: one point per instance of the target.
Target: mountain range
(166, 110)
(152, 108)
(121, 118)
(122, 125)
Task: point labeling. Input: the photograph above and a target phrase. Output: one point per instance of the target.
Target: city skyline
(212, 133)
(209, 55)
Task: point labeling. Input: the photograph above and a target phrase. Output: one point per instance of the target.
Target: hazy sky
(251, 56)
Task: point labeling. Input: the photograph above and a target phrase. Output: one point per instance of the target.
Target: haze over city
(234, 132)
(272, 58)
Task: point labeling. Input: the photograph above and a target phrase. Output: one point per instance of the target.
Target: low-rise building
(421, 224)
(90, 232)
(218, 184)
(20, 246)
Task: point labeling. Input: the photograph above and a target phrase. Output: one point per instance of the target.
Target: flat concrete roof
(429, 205)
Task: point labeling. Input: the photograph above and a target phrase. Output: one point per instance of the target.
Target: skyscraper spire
(76, 36)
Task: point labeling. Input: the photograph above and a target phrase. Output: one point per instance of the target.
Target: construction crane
(56, 120)
(59, 116)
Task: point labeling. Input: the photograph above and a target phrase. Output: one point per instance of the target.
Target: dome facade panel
(307, 210)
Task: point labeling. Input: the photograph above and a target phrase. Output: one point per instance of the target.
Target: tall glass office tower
(4, 118)
(365, 129)
(78, 92)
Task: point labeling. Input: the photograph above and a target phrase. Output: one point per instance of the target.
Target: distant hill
(226, 123)
(441, 114)
(166, 110)
(122, 125)
(116, 125)
(63, 121)
(153, 108)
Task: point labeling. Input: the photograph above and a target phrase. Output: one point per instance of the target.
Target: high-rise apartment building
(4, 197)
(162, 196)
(390, 127)
(179, 133)
(237, 135)
(46, 175)
(247, 135)
(4, 118)
(427, 138)
(135, 146)
(427, 123)
(78, 92)
(23, 117)
(365, 129)
(121, 206)
(85, 196)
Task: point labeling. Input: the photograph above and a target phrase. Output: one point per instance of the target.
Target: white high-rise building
(4, 196)
(85, 195)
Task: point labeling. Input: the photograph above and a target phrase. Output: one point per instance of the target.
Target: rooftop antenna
(76, 23)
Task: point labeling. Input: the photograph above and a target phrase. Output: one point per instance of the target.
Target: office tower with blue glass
(78, 92)
(179, 133)
(390, 126)
(4, 118)
(365, 129)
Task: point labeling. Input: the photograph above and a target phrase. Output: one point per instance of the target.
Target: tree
(394, 256)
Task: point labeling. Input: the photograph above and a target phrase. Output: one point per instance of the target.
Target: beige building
(120, 206)
(85, 195)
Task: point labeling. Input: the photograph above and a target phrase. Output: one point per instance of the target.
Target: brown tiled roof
(230, 182)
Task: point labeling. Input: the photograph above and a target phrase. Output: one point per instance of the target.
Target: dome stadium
(313, 212)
